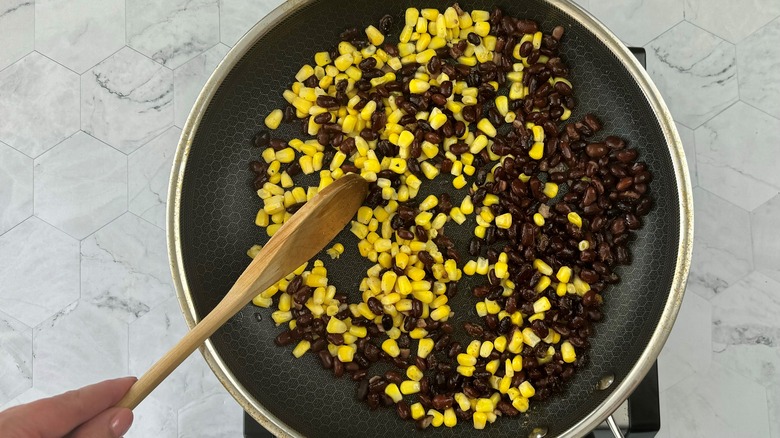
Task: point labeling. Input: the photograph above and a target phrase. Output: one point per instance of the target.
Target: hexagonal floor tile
(79, 34)
(736, 155)
(746, 313)
(689, 145)
(166, 325)
(39, 104)
(80, 345)
(721, 254)
(124, 268)
(80, 185)
(215, 415)
(717, 403)
(172, 32)
(17, 18)
(236, 17)
(766, 238)
(149, 170)
(189, 79)
(758, 60)
(689, 346)
(16, 188)
(15, 358)
(731, 20)
(773, 403)
(695, 71)
(39, 271)
(636, 22)
(127, 100)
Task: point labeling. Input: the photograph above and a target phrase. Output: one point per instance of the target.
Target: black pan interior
(218, 208)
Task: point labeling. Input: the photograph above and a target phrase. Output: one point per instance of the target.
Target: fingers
(111, 423)
(56, 416)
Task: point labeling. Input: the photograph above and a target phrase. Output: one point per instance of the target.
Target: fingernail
(121, 422)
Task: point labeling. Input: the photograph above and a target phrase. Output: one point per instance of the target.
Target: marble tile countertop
(93, 95)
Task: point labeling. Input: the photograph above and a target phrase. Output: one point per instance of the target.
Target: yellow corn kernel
(428, 203)
(466, 359)
(441, 313)
(301, 348)
(537, 40)
(492, 366)
(480, 420)
(345, 353)
(550, 189)
(390, 347)
(566, 114)
(543, 284)
(484, 405)
(473, 348)
(478, 144)
(466, 206)
(374, 36)
(526, 389)
(560, 289)
(414, 373)
(486, 127)
(466, 371)
(504, 221)
(410, 387)
(335, 325)
(418, 332)
(393, 392)
(537, 151)
(529, 337)
(583, 245)
(567, 352)
(322, 58)
(580, 286)
(520, 403)
(425, 347)
(564, 274)
(417, 411)
(481, 28)
(485, 349)
(515, 344)
(575, 219)
(437, 419)
(417, 86)
(542, 267)
(406, 34)
(274, 119)
(479, 231)
(538, 219)
(541, 305)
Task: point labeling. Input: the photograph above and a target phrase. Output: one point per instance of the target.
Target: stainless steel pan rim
(685, 245)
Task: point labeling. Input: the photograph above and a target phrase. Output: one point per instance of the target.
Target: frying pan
(212, 207)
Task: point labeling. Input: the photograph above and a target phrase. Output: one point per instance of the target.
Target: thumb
(111, 423)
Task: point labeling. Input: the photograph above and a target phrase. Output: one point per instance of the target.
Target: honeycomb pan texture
(218, 209)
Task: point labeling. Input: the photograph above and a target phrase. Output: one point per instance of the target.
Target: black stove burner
(642, 419)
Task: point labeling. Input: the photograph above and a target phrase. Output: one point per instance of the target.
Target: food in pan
(484, 101)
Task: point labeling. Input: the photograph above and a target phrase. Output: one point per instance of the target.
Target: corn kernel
(480, 420)
(417, 86)
(417, 411)
(543, 284)
(537, 151)
(390, 347)
(425, 347)
(541, 305)
(526, 389)
(583, 245)
(410, 387)
(542, 267)
(393, 392)
(485, 349)
(504, 221)
(466, 371)
(486, 127)
(575, 219)
(550, 189)
(274, 119)
(374, 35)
(520, 403)
(529, 337)
(564, 274)
(538, 219)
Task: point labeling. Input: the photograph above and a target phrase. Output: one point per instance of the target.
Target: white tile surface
(15, 358)
(737, 150)
(758, 63)
(731, 20)
(236, 17)
(766, 238)
(149, 171)
(716, 380)
(39, 104)
(688, 348)
(39, 271)
(16, 188)
(127, 100)
(721, 249)
(80, 345)
(636, 22)
(79, 33)
(80, 185)
(717, 402)
(695, 71)
(17, 18)
(124, 269)
(172, 32)
(190, 78)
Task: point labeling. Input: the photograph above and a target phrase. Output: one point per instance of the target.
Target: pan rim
(685, 204)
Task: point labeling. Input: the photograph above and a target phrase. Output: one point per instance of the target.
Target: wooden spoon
(299, 239)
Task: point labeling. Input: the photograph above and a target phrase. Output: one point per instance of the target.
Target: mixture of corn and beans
(481, 98)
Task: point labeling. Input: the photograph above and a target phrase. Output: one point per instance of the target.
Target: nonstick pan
(212, 208)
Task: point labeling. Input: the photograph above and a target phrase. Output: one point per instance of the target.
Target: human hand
(88, 412)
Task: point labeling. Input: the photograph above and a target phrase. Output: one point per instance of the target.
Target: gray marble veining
(16, 188)
(17, 19)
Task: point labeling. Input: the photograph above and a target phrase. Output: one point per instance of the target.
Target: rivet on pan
(605, 382)
(538, 432)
